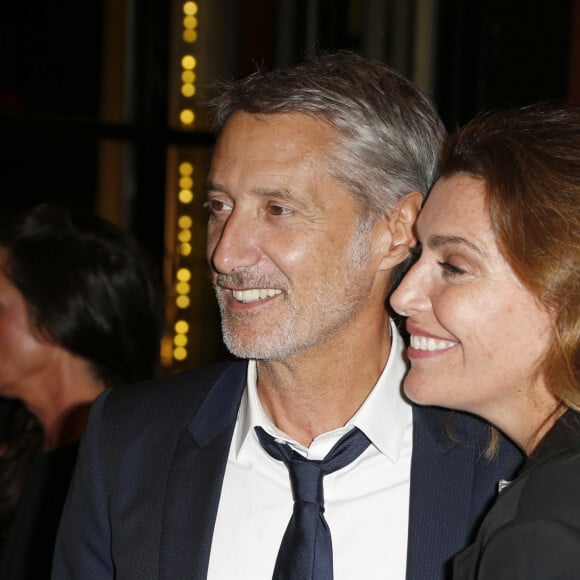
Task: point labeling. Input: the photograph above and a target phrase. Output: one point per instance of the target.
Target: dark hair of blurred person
(81, 310)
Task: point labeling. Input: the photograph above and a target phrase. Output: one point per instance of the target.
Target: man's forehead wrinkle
(281, 193)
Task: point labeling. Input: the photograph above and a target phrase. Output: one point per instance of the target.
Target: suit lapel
(195, 480)
(441, 492)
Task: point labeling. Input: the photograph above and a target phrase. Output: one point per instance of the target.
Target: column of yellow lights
(186, 176)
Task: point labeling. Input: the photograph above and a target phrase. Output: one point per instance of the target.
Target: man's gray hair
(389, 132)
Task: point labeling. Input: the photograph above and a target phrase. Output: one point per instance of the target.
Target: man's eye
(278, 210)
(217, 206)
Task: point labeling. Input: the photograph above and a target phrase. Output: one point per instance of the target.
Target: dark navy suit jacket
(145, 494)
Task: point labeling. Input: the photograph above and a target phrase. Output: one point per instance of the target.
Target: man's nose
(232, 244)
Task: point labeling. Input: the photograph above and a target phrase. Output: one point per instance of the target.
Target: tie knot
(306, 478)
(306, 475)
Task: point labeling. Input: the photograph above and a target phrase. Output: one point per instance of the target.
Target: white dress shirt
(366, 502)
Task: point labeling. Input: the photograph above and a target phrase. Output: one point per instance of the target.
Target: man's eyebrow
(211, 186)
(439, 241)
(283, 194)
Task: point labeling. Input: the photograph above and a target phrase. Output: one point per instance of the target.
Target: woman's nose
(411, 295)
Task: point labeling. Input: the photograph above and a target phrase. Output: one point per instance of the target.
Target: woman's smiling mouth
(427, 343)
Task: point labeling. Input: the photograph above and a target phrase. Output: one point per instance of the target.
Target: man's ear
(401, 226)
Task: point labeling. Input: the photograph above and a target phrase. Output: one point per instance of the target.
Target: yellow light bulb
(185, 222)
(189, 36)
(182, 301)
(190, 8)
(187, 117)
(185, 168)
(184, 236)
(188, 90)
(190, 22)
(185, 182)
(185, 196)
(180, 353)
(180, 340)
(188, 76)
(188, 62)
(185, 249)
(183, 275)
(181, 327)
(183, 288)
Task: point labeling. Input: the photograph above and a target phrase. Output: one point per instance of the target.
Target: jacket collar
(220, 409)
(195, 480)
(452, 484)
(563, 437)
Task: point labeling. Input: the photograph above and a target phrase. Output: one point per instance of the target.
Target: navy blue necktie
(306, 549)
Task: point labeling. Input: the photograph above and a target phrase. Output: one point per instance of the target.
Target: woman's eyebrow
(439, 241)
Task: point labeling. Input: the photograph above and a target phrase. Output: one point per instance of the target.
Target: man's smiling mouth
(254, 294)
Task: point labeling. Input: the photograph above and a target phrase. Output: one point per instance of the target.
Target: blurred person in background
(80, 310)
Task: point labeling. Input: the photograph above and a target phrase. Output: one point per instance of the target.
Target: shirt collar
(383, 417)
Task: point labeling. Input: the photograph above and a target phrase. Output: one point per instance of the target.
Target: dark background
(487, 53)
(54, 86)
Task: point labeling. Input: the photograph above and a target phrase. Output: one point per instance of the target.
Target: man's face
(291, 268)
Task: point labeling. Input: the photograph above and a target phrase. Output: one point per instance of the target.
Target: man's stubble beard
(329, 309)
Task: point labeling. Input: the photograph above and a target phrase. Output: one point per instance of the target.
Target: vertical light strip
(188, 61)
(185, 180)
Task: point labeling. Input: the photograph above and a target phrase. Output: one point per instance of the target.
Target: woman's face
(24, 355)
(477, 334)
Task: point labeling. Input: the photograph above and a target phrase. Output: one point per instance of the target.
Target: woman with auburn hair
(493, 313)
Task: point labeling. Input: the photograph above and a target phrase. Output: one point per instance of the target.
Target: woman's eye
(451, 270)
